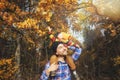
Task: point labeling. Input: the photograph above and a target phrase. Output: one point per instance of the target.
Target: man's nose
(65, 48)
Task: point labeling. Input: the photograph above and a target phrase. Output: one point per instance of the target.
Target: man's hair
(55, 45)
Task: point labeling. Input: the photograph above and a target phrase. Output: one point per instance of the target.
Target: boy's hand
(76, 45)
(50, 29)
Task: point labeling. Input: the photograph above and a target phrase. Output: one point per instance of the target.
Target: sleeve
(44, 75)
(77, 52)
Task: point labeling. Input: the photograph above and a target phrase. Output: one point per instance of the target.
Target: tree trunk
(17, 58)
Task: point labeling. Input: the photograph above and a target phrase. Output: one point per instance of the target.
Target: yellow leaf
(91, 9)
(113, 32)
(67, 1)
(82, 16)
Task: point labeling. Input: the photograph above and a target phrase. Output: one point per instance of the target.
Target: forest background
(24, 41)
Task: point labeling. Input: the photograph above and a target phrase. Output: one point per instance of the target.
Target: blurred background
(25, 43)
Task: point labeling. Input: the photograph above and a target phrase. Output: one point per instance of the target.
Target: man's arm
(77, 52)
(45, 73)
(48, 69)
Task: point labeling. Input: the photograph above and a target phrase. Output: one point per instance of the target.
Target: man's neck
(61, 58)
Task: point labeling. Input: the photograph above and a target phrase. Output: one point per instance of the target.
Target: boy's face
(61, 50)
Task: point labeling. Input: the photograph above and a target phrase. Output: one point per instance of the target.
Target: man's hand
(52, 67)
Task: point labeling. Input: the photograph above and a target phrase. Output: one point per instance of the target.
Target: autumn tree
(23, 25)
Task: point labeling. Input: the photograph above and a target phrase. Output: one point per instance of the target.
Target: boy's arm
(77, 52)
(45, 73)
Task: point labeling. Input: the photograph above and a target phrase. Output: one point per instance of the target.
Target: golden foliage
(91, 9)
(112, 30)
(81, 16)
(32, 29)
(117, 60)
(113, 33)
(7, 69)
(27, 24)
(2, 5)
(9, 12)
(30, 24)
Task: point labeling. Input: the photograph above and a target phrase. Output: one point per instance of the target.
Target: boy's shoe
(76, 75)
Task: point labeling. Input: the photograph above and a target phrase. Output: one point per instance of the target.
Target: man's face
(61, 49)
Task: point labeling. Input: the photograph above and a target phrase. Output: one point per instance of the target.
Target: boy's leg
(53, 59)
(72, 65)
(70, 62)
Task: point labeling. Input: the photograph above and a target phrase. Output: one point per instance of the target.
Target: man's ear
(56, 53)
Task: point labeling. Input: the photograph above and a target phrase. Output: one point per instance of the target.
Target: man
(61, 68)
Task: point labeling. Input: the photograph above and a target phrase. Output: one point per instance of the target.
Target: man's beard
(65, 53)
